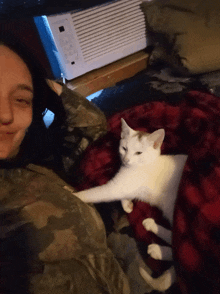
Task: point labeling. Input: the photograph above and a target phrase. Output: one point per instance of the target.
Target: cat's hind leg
(160, 252)
(163, 282)
(161, 232)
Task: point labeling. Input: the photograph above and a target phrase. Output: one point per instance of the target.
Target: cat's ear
(125, 129)
(157, 137)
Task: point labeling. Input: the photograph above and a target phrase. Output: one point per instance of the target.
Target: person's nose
(6, 112)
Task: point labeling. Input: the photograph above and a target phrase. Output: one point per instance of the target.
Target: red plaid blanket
(192, 127)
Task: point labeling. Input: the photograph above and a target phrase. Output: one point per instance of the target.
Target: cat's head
(138, 147)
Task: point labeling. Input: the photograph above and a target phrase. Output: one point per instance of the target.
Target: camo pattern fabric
(84, 123)
(51, 241)
(83, 114)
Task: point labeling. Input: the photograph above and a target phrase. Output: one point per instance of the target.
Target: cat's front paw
(150, 225)
(154, 250)
(127, 205)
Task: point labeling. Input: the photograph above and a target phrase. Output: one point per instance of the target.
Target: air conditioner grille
(108, 27)
(112, 48)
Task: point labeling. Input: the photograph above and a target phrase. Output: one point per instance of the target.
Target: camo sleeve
(83, 114)
(84, 123)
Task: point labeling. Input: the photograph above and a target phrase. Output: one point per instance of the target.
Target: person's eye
(138, 153)
(23, 101)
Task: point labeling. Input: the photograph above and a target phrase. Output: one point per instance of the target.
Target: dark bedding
(190, 114)
(159, 83)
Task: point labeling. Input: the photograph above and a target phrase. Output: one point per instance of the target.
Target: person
(51, 242)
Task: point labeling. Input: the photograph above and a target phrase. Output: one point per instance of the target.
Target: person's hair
(35, 144)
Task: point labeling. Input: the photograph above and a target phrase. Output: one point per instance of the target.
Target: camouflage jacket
(50, 241)
(83, 124)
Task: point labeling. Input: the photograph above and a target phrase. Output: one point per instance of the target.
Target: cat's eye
(138, 153)
(124, 148)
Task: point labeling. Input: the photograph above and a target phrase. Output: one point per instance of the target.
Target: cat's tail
(163, 282)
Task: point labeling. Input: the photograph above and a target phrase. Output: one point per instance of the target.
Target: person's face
(16, 95)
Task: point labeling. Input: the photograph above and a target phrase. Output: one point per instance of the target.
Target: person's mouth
(6, 135)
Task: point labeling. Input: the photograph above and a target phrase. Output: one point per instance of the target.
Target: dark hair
(36, 144)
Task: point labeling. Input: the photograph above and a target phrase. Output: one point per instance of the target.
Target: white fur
(163, 282)
(149, 176)
(146, 175)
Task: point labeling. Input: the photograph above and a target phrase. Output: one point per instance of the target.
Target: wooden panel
(109, 75)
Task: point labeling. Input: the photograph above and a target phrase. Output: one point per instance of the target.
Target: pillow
(191, 30)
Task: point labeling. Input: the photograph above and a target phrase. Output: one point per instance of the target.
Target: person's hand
(57, 88)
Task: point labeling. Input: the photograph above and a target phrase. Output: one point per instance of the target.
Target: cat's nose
(126, 160)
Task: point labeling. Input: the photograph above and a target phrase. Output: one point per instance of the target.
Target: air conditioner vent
(84, 40)
(105, 28)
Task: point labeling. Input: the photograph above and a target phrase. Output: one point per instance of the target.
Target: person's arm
(80, 112)
(84, 123)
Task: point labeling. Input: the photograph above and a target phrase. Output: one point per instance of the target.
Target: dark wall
(29, 8)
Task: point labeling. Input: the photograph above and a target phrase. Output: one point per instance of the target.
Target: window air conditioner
(80, 41)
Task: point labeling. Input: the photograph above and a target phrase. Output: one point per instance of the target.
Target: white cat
(146, 175)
